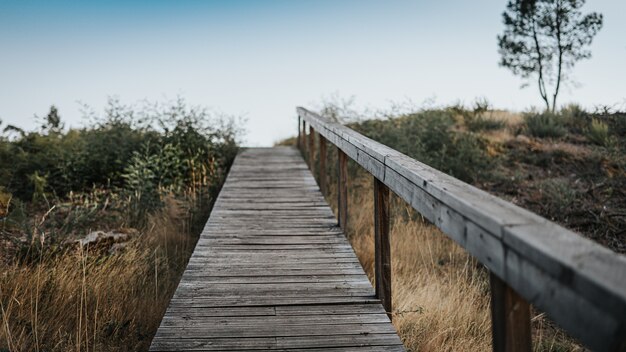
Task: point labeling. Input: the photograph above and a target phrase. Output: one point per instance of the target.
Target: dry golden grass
(440, 293)
(440, 300)
(88, 301)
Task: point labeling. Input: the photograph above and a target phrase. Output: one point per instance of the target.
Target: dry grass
(440, 293)
(440, 296)
(85, 300)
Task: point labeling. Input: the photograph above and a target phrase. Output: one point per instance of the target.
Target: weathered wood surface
(382, 244)
(273, 271)
(579, 283)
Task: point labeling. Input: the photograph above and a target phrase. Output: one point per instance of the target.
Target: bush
(137, 156)
(480, 123)
(476, 119)
(598, 132)
(189, 147)
(431, 138)
(544, 125)
(575, 118)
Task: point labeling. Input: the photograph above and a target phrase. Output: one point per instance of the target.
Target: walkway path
(273, 271)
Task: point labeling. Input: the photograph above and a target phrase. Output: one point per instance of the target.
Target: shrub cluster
(544, 125)
(430, 136)
(136, 155)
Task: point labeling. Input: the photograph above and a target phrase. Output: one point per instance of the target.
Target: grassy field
(143, 192)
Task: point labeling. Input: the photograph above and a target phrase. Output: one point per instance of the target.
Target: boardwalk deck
(273, 271)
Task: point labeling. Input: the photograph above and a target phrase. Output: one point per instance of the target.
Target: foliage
(150, 172)
(575, 118)
(187, 147)
(544, 125)
(134, 157)
(598, 132)
(479, 119)
(544, 38)
(430, 137)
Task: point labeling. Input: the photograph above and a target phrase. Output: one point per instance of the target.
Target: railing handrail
(580, 284)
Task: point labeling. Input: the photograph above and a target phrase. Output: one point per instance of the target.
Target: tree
(543, 39)
(51, 123)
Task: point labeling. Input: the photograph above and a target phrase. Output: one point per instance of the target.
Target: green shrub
(598, 132)
(431, 138)
(544, 125)
(575, 118)
(480, 123)
(140, 154)
(476, 120)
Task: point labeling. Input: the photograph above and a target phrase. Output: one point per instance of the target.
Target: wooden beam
(342, 188)
(303, 146)
(312, 149)
(323, 156)
(510, 318)
(382, 246)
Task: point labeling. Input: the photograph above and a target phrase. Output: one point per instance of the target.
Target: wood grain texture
(322, 172)
(312, 149)
(342, 187)
(382, 245)
(577, 282)
(510, 319)
(273, 271)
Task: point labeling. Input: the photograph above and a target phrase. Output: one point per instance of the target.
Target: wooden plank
(382, 245)
(272, 270)
(580, 284)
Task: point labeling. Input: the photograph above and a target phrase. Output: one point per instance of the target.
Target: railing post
(510, 318)
(342, 188)
(382, 245)
(322, 164)
(299, 142)
(303, 146)
(312, 149)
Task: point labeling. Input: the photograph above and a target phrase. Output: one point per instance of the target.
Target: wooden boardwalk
(273, 271)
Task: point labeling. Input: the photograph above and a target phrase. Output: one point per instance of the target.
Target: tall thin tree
(543, 39)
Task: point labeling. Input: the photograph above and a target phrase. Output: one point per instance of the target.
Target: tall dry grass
(87, 300)
(440, 297)
(440, 293)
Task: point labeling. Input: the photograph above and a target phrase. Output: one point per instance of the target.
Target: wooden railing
(578, 283)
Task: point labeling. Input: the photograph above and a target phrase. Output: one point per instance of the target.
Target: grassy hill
(569, 167)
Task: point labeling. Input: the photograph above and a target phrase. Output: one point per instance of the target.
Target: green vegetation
(141, 183)
(544, 125)
(567, 166)
(598, 132)
(430, 136)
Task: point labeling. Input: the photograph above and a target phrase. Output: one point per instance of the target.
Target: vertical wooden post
(382, 245)
(312, 150)
(299, 142)
(510, 318)
(303, 147)
(323, 164)
(342, 188)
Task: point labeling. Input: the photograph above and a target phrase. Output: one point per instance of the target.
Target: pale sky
(260, 59)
